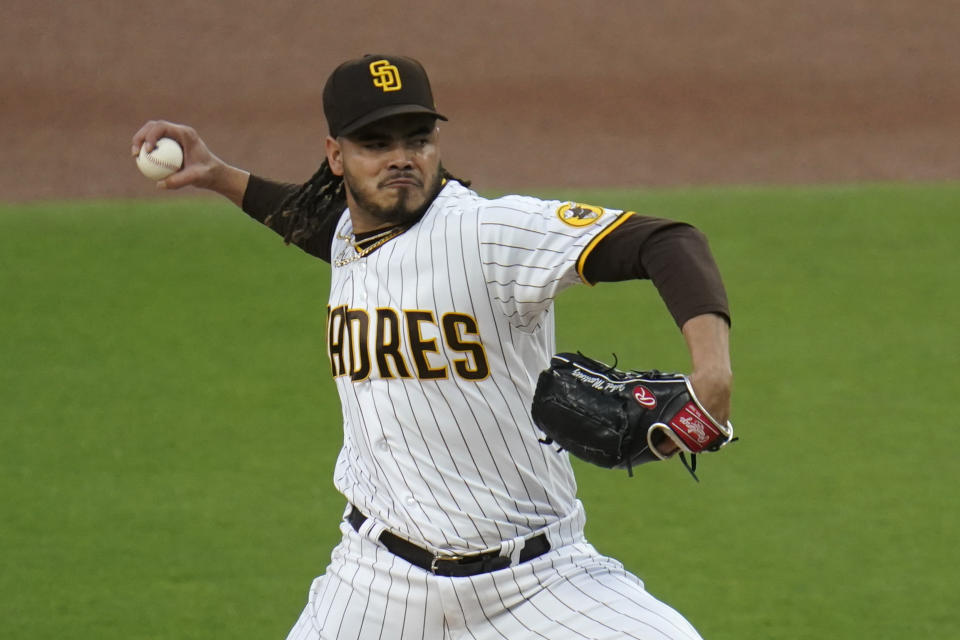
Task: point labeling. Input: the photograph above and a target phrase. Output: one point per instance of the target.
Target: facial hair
(403, 210)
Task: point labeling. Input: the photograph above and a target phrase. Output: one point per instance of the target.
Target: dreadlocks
(304, 212)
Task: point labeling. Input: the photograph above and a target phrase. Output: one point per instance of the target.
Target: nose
(400, 158)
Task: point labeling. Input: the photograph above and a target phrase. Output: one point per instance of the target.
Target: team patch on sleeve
(577, 214)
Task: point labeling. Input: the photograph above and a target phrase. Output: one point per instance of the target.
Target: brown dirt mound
(540, 93)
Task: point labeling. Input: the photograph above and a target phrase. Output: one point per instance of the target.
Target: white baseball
(165, 159)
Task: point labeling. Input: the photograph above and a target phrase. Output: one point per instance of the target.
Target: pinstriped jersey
(435, 341)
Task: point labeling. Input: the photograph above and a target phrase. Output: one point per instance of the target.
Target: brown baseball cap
(374, 87)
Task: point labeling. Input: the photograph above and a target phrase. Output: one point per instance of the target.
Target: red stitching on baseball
(160, 163)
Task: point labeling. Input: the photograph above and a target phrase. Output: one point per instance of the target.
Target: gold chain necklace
(352, 239)
(362, 249)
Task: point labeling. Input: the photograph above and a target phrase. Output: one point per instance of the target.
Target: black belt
(458, 567)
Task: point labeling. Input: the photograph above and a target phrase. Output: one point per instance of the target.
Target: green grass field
(168, 427)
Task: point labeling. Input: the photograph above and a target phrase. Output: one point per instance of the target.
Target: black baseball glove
(617, 419)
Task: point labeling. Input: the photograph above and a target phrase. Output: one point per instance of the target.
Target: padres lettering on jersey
(352, 336)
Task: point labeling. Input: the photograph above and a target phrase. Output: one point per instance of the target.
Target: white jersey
(435, 342)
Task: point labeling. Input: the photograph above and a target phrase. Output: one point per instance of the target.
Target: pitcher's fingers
(152, 131)
(183, 178)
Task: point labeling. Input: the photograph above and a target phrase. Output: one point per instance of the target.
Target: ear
(334, 155)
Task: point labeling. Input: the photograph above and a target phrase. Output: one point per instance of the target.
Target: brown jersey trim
(581, 261)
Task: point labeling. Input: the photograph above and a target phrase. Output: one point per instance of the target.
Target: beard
(406, 206)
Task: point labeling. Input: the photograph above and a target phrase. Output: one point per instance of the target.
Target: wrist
(230, 182)
(715, 373)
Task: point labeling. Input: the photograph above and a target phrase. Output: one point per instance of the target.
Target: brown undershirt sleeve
(264, 197)
(675, 256)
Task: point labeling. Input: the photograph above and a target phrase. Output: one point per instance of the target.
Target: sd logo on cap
(385, 75)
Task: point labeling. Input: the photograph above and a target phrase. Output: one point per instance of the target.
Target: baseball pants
(571, 592)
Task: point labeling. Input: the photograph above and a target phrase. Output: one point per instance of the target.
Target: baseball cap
(374, 87)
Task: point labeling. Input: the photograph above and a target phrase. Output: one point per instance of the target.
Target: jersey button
(411, 501)
(383, 446)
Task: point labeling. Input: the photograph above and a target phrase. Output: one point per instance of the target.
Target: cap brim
(386, 112)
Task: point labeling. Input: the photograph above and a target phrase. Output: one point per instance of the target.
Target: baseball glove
(616, 419)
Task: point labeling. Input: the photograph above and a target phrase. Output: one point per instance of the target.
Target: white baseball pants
(572, 592)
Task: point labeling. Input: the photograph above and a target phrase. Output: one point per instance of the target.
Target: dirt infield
(540, 93)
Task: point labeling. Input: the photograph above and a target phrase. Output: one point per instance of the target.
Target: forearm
(708, 341)
(231, 183)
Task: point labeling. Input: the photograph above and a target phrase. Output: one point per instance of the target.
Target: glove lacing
(691, 465)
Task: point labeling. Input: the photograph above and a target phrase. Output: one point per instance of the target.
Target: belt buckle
(435, 562)
(461, 566)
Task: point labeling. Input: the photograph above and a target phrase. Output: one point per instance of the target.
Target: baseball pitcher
(461, 515)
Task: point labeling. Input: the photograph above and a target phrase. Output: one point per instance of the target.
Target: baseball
(165, 159)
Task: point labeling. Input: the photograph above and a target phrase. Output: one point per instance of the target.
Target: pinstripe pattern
(439, 446)
(571, 593)
(449, 463)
